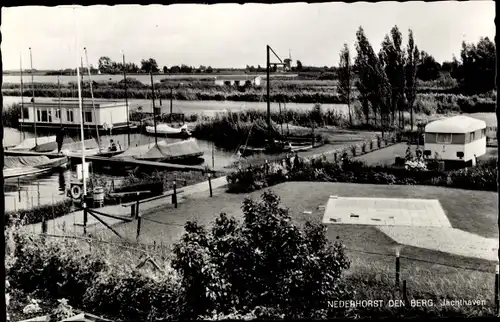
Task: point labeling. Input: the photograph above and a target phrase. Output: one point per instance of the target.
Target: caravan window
(443, 137)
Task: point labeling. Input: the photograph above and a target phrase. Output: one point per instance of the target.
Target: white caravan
(457, 138)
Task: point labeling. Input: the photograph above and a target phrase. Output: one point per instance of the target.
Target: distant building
(239, 81)
(53, 114)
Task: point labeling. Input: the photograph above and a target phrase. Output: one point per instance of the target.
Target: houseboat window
(443, 137)
(88, 116)
(50, 116)
(38, 115)
(69, 115)
(44, 116)
(58, 114)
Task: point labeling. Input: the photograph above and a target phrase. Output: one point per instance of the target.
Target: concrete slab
(385, 212)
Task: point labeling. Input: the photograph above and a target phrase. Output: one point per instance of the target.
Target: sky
(232, 35)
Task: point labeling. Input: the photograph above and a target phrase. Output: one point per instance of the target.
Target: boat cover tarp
(24, 161)
(172, 150)
(50, 146)
(30, 143)
(163, 151)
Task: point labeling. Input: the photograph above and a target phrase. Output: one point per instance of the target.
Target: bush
(36, 214)
(265, 266)
(264, 261)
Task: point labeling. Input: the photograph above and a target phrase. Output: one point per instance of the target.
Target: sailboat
(272, 146)
(163, 129)
(186, 151)
(93, 146)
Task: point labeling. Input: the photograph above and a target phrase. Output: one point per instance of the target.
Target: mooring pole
(210, 184)
(33, 98)
(85, 218)
(154, 107)
(268, 96)
(126, 97)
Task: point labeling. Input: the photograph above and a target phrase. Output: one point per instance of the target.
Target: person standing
(60, 139)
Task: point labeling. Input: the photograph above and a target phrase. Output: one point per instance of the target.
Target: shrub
(264, 261)
(36, 214)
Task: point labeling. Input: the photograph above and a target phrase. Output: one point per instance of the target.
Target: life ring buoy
(76, 192)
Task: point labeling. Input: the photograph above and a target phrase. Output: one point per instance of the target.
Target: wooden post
(210, 184)
(313, 138)
(38, 192)
(137, 207)
(266, 167)
(497, 303)
(397, 268)
(174, 195)
(138, 227)
(113, 185)
(405, 294)
(85, 218)
(44, 225)
(19, 188)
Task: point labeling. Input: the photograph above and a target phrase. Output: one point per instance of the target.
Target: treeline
(387, 82)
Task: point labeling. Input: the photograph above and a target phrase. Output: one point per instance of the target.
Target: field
(429, 273)
(386, 156)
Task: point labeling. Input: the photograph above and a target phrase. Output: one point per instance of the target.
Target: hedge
(481, 177)
(36, 214)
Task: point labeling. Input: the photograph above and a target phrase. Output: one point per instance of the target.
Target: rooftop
(73, 103)
(455, 124)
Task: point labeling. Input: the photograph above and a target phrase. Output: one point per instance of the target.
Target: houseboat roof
(455, 124)
(73, 103)
(236, 77)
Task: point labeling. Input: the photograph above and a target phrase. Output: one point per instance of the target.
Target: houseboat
(51, 115)
(456, 139)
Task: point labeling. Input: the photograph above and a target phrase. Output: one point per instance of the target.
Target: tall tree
(149, 65)
(165, 69)
(105, 64)
(392, 58)
(477, 71)
(412, 62)
(428, 69)
(345, 78)
(373, 83)
(299, 65)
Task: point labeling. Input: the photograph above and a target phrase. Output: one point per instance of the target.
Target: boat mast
(80, 103)
(154, 107)
(82, 84)
(33, 98)
(59, 101)
(22, 96)
(126, 97)
(92, 95)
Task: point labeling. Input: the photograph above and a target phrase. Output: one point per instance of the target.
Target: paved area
(385, 212)
(448, 240)
(413, 222)
(73, 222)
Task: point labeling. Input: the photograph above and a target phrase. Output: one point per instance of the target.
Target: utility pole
(126, 97)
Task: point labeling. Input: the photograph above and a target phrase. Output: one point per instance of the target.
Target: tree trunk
(411, 115)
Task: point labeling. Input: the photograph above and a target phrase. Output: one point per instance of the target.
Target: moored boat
(166, 130)
(16, 166)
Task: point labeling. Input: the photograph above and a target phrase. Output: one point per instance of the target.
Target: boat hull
(46, 167)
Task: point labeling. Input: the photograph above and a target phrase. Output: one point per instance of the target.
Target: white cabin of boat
(53, 114)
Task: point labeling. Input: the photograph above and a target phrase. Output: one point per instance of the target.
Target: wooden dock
(97, 159)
